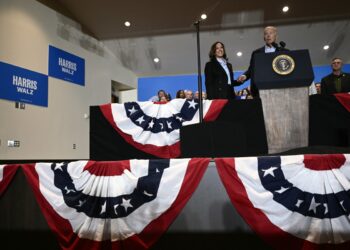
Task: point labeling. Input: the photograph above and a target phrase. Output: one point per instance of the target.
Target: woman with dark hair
(219, 80)
(161, 94)
(180, 94)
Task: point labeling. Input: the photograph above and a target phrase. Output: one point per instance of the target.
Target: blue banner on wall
(22, 85)
(66, 66)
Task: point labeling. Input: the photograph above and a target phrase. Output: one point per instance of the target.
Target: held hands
(241, 78)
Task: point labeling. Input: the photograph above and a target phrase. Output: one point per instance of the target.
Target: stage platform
(208, 220)
(243, 131)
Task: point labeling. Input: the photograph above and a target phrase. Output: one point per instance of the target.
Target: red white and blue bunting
(7, 172)
(155, 127)
(292, 202)
(113, 205)
(344, 99)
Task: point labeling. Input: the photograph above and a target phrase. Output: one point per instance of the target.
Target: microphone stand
(200, 98)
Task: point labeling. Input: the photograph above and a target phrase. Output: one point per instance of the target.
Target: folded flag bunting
(344, 99)
(154, 128)
(113, 205)
(292, 202)
(7, 172)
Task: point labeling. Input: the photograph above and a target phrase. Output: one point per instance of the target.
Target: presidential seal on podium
(283, 64)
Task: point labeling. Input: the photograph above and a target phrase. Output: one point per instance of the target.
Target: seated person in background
(315, 88)
(163, 99)
(180, 94)
(318, 88)
(204, 95)
(244, 94)
(189, 94)
(196, 95)
(157, 97)
(247, 93)
(161, 94)
(250, 95)
(336, 82)
(312, 89)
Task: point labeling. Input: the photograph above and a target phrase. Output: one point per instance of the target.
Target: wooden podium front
(283, 79)
(286, 116)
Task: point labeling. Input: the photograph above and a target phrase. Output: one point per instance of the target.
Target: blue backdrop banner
(22, 85)
(149, 86)
(66, 66)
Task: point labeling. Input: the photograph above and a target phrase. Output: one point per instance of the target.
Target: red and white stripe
(141, 228)
(162, 144)
(276, 224)
(7, 173)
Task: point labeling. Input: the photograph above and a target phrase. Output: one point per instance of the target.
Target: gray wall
(27, 28)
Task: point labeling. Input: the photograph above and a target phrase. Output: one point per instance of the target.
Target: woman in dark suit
(219, 80)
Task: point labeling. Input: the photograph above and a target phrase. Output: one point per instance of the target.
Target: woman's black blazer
(216, 81)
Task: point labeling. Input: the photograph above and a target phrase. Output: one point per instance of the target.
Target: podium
(283, 79)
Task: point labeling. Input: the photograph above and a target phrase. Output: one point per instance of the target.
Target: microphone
(278, 48)
(274, 44)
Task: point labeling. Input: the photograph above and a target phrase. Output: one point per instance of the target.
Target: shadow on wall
(71, 32)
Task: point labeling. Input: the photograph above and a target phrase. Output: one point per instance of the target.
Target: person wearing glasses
(336, 82)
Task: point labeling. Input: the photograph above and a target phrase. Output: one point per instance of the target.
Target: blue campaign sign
(22, 85)
(66, 66)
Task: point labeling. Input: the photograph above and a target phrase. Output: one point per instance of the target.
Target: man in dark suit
(270, 37)
(336, 82)
(219, 80)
